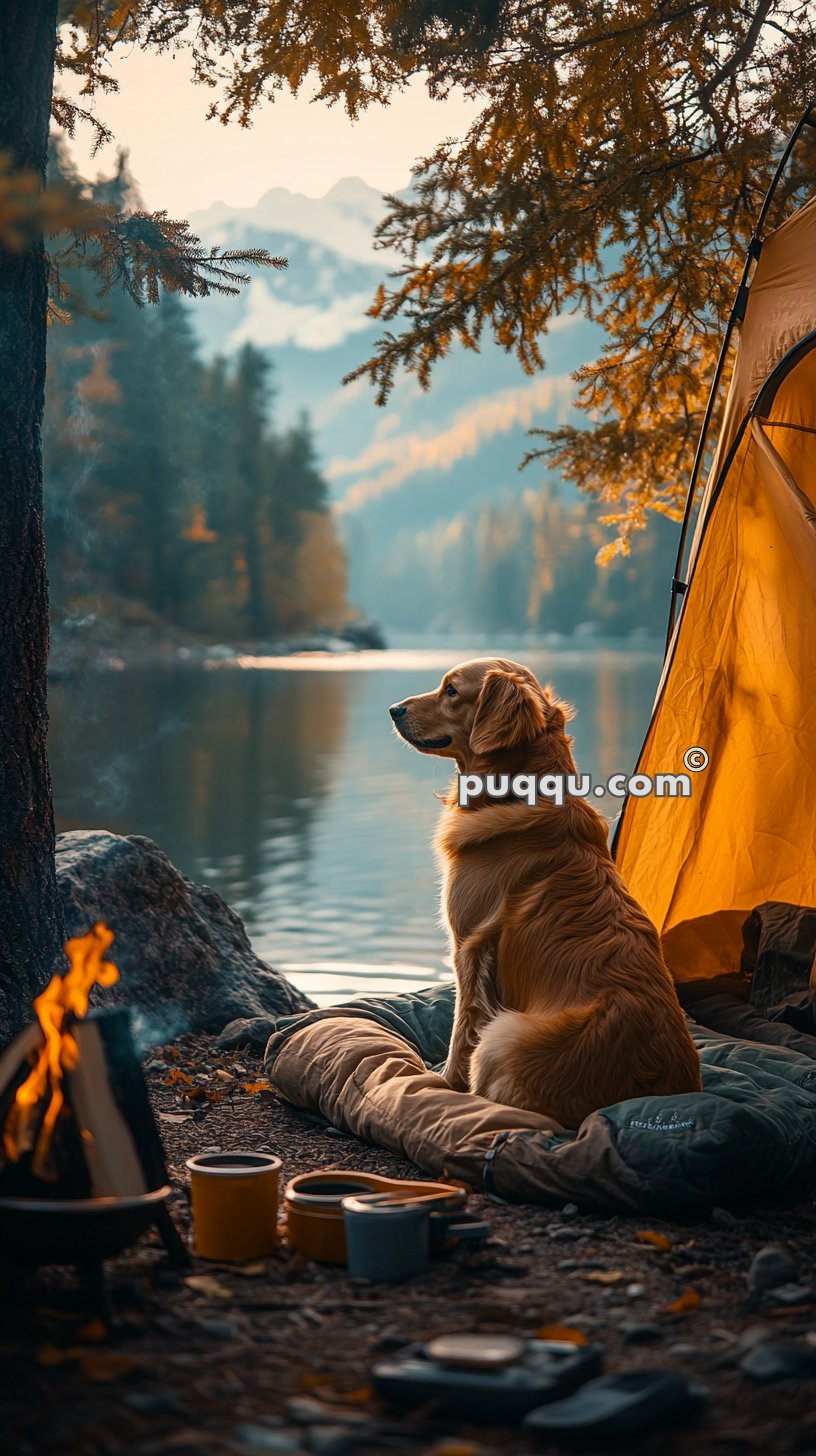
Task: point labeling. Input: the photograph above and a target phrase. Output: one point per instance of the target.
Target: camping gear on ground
(749, 1134)
(495, 1383)
(387, 1238)
(620, 1408)
(235, 1204)
(314, 1212)
(738, 677)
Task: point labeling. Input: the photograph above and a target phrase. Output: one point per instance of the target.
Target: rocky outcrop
(185, 960)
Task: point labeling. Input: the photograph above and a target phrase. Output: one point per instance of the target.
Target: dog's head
(483, 710)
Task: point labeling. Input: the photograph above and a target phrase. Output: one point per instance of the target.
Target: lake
(280, 783)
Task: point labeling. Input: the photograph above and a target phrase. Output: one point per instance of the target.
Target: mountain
(425, 457)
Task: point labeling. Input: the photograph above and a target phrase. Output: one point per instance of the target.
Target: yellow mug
(235, 1204)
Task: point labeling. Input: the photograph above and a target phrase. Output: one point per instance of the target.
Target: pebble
(220, 1329)
(307, 1412)
(641, 1334)
(773, 1360)
(333, 1440)
(723, 1219)
(789, 1294)
(265, 1438)
(566, 1266)
(772, 1266)
(153, 1402)
(753, 1336)
(570, 1210)
(683, 1351)
(635, 1291)
(561, 1235)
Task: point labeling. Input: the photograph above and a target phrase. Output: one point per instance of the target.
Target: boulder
(185, 960)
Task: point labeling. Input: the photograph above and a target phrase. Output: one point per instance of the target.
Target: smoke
(395, 458)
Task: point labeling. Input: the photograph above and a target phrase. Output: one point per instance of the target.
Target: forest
(170, 493)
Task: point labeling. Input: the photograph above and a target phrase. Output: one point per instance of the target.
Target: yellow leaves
(657, 1241)
(177, 1076)
(252, 1089)
(685, 1303)
(100, 1366)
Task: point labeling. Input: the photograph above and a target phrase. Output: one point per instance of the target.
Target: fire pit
(82, 1169)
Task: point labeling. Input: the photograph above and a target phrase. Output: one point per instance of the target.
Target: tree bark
(30, 917)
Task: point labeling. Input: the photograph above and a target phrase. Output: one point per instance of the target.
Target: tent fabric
(368, 1068)
(740, 676)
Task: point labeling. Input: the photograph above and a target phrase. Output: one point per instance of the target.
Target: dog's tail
(568, 1063)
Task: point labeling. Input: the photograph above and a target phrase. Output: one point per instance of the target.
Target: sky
(184, 163)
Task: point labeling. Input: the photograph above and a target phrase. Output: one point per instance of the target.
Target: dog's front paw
(455, 1075)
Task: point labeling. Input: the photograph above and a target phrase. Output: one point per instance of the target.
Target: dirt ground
(274, 1357)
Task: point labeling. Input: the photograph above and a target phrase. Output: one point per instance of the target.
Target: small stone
(570, 1210)
(635, 1291)
(561, 1235)
(305, 1411)
(333, 1440)
(772, 1266)
(683, 1351)
(219, 1329)
(723, 1219)
(753, 1336)
(790, 1294)
(266, 1438)
(641, 1334)
(153, 1402)
(566, 1266)
(778, 1361)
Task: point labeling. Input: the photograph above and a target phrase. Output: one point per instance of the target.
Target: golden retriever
(564, 1002)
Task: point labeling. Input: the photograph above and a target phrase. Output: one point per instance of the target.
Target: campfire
(64, 997)
(74, 1112)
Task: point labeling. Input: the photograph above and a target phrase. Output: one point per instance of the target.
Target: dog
(564, 1003)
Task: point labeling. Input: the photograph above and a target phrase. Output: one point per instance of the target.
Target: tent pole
(679, 586)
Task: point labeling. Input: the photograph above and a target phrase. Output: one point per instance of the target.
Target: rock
(723, 1219)
(185, 960)
(364, 634)
(561, 1235)
(570, 1210)
(683, 1350)
(791, 1294)
(333, 1440)
(772, 1266)
(265, 1438)
(641, 1334)
(772, 1360)
(635, 1291)
(753, 1336)
(153, 1402)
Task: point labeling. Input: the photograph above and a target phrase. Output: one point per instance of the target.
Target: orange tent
(739, 680)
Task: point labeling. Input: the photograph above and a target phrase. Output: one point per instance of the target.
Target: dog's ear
(511, 710)
(556, 712)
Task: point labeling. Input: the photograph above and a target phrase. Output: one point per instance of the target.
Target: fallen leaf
(177, 1076)
(313, 1382)
(250, 1271)
(567, 1334)
(105, 1366)
(685, 1302)
(657, 1241)
(208, 1284)
(51, 1354)
(95, 1332)
(222, 1075)
(175, 1116)
(358, 1396)
(605, 1276)
(253, 1088)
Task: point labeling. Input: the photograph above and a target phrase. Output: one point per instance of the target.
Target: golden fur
(564, 1003)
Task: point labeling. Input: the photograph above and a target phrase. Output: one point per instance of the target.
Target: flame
(64, 996)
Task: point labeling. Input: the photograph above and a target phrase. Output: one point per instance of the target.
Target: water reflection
(282, 786)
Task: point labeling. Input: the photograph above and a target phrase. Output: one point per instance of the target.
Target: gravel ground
(274, 1357)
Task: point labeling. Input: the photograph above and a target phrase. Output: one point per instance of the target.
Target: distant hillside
(425, 457)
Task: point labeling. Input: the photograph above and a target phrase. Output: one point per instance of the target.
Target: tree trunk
(30, 918)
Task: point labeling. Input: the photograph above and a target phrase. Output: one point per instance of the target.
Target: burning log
(75, 1117)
